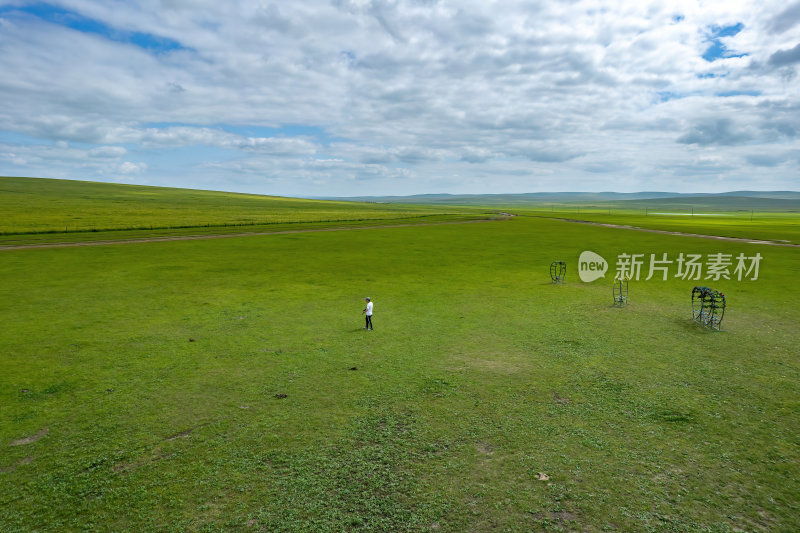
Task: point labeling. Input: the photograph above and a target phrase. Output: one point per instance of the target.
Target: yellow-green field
(35, 205)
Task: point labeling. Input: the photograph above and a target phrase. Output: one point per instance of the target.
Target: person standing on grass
(368, 312)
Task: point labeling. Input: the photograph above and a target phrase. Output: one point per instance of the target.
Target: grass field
(780, 226)
(761, 216)
(227, 385)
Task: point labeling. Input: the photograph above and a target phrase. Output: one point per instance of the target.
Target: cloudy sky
(375, 97)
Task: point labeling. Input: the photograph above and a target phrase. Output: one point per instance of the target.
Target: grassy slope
(155, 367)
(40, 205)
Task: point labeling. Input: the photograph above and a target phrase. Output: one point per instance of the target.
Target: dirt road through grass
(219, 236)
(666, 232)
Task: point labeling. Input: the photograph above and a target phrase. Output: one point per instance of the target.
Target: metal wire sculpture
(708, 307)
(620, 291)
(558, 269)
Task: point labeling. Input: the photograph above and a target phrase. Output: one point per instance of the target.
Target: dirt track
(220, 236)
(284, 232)
(665, 232)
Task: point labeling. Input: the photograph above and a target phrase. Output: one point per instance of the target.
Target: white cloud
(128, 167)
(278, 146)
(321, 97)
(107, 152)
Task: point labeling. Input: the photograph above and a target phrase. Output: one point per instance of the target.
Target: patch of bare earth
(179, 435)
(484, 448)
(30, 439)
(24, 461)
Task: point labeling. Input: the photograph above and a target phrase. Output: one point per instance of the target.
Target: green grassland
(773, 219)
(764, 225)
(776, 219)
(41, 206)
(749, 215)
(227, 385)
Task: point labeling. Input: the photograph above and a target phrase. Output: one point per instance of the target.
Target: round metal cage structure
(620, 291)
(558, 269)
(708, 307)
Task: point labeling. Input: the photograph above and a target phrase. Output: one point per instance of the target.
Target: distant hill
(733, 199)
(723, 202)
(781, 195)
(505, 199)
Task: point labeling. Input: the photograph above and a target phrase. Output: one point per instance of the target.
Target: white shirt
(369, 308)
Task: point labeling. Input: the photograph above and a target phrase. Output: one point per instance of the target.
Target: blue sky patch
(739, 93)
(19, 138)
(666, 96)
(717, 49)
(77, 22)
(315, 133)
(286, 130)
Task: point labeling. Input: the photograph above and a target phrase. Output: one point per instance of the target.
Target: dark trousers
(369, 322)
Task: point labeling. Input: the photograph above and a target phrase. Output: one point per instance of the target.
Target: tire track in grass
(667, 232)
(221, 236)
